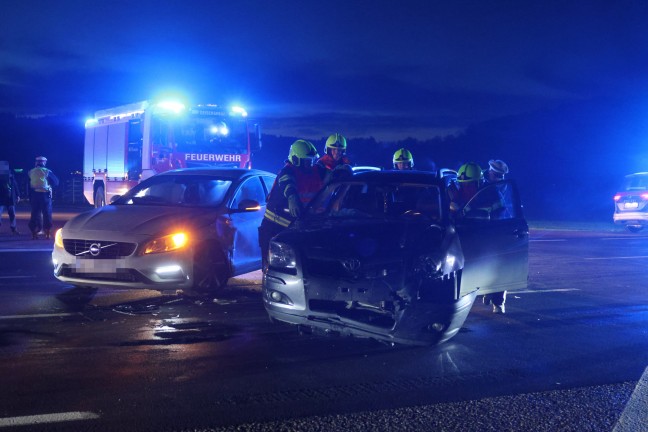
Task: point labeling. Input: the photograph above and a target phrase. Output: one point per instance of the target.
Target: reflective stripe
(276, 218)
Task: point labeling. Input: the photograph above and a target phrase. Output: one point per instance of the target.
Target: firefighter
(335, 153)
(294, 187)
(496, 171)
(41, 181)
(403, 160)
(469, 180)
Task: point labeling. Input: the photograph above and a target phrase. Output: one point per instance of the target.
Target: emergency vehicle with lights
(631, 203)
(129, 143)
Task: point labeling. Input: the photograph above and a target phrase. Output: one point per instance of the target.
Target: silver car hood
(140, 219)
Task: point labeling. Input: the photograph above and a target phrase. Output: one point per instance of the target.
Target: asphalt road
(569, 355)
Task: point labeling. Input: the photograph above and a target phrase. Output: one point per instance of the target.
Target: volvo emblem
(95, 249)
(352, 265)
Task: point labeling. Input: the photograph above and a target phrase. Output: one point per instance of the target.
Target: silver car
(631, 203)
(189, 229)
(380, 256)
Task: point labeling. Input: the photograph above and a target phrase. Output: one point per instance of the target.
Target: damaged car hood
(364, 238)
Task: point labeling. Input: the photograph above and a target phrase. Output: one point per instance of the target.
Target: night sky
(558, 89)
(388, 69)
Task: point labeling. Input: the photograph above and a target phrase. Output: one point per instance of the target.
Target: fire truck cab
(129, 143)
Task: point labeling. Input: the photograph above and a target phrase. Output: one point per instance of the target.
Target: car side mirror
(248, 205)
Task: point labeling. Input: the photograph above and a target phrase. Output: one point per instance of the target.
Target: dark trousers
(11, 211)
(41, 213)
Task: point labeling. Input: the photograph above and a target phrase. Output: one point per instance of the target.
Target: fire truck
(128, 143)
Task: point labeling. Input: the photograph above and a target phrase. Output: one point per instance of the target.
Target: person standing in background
(41, 181)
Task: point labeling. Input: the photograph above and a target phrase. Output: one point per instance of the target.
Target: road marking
(47, 418)
(8, 317)
(633, 417)
(16, 277)
(544, 291)
(620, 238)
(547, 240)
(620, 257)
(27, 250)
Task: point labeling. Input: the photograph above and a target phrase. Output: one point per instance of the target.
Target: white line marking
(621, 257)
(8, 317)
(16, 277)
(47, 418)
(547, 240)
(26, 250)
(633, 417)
(544, 291)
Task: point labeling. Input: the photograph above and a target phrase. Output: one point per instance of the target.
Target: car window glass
(377, 200)
(636, 182)
(251, 189)
(178, 190)
(268, 181)
(494, 202)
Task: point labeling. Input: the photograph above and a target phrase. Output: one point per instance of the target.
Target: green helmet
(302, 149)
(336, 141)
(403, 156)
(469, 172)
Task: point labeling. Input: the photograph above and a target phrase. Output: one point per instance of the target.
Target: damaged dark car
(379, 255)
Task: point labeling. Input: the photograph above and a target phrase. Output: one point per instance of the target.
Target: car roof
(395, 176)
(232, 173)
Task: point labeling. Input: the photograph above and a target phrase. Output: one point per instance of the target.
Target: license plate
(631, 205)
(95, 266)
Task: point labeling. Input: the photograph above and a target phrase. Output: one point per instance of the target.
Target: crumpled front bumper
(419, 322)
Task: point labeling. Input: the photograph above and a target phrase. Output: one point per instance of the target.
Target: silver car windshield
(372, 200)
(182, 190)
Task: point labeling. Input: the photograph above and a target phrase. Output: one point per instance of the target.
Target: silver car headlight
(282, 257)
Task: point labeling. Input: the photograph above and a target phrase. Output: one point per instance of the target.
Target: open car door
(494, 237)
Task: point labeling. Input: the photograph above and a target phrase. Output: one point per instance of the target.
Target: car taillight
(617, 197)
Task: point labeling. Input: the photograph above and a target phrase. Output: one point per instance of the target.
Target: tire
(99, 197)
(634, 228)
(210, 269)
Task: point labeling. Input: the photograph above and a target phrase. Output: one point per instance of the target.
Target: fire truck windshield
(193, 134)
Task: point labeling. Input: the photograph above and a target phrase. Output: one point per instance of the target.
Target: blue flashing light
(175, 107)
(237, 110)
(221, 129)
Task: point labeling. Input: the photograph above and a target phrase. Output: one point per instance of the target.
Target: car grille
(351, 268)
(119, 276)
(101, 249)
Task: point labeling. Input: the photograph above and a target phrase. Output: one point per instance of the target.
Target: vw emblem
(351, 265)
(95, 249)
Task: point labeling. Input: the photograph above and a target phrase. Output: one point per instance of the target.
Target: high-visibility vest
(38, 179)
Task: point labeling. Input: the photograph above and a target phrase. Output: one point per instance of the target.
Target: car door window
(493, 202)
(250, 189)
(268, 182)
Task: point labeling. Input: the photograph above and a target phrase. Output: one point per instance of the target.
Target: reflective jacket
(42, 179)
(330, 164)
(292, 180)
